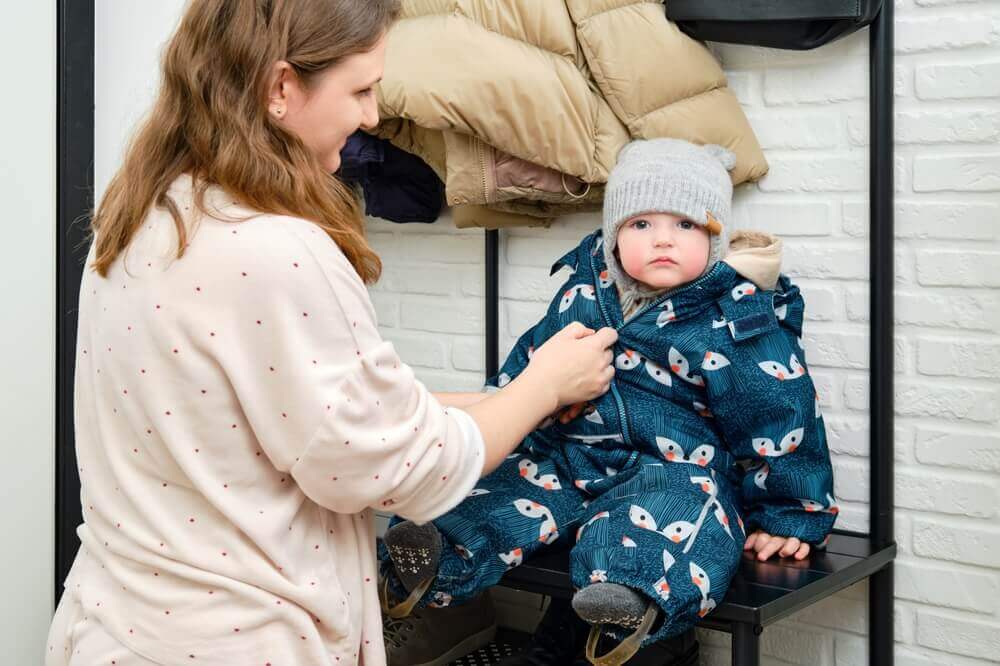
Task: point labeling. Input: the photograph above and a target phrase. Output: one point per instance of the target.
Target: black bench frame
(764, 592)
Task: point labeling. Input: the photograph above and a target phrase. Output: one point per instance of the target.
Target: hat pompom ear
(724, 155)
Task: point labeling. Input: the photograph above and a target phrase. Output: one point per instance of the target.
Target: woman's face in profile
(337, 102)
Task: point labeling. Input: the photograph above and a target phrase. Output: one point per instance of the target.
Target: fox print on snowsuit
(711, 428)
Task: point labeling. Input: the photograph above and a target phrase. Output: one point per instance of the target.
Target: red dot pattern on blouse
(284, 415)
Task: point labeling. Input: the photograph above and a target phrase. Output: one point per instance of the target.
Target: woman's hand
(574, 364)
(767, 545)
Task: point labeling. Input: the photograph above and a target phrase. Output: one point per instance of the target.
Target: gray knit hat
(668, 176)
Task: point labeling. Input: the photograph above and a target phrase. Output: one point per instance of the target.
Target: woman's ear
(278, 89)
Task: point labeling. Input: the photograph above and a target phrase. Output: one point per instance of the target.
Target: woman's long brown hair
(210, 120)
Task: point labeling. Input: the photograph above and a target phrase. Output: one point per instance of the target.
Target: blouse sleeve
(328, 400)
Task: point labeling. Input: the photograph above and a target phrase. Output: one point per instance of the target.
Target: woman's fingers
(577, 330)
(605, 337)
(803, 551)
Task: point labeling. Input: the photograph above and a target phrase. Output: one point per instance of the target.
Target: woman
(237, 414)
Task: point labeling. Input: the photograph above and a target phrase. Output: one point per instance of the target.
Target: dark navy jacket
(398, 186)
(712, 373)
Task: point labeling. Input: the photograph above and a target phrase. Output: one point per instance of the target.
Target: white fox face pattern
(630, 360)
(700, 578)
(585, 290)
(605, 280)
(658, 373)
(707, 484)
(812, 506)
(594, 416)
(714, 361)
(760, 476)
(667, 315)
(529, 472)
(674, 452)
(742, 290)
(676, 531)
(780, 372)
(766, 447)
(513, 558)
(679, 366)
(547, 532)
(662, 587)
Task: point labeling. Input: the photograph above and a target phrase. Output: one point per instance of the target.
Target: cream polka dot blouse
(238, 417)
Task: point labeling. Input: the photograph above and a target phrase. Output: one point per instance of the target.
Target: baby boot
(609, 603)
(415, 551)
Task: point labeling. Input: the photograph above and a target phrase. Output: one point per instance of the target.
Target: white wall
(27, 336)
(810, 111)
(129, 37)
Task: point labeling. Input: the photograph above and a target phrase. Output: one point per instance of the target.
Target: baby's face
(661, 250)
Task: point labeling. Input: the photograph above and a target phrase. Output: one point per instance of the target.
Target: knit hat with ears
(667, 176)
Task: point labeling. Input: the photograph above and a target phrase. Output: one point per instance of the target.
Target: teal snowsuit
(712, 428)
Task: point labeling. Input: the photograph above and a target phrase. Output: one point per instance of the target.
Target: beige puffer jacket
(523, 105)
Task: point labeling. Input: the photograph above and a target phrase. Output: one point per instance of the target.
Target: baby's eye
(640, 224)
(365, 92)
(686, 224)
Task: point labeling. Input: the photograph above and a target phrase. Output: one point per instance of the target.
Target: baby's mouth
(660, 261)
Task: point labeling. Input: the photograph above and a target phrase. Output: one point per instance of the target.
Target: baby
(709, 442)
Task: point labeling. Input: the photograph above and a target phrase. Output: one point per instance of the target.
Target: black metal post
(492, 309)
(74, 188)
(746, 644)
(881, 189)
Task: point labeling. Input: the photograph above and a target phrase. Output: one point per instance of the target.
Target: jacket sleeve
(766, 406)
(328, 400)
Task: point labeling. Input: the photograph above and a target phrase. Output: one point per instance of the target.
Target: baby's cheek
(694, 265)
(631, 260)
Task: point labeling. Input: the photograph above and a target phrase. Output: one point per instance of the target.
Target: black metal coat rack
(763, 593)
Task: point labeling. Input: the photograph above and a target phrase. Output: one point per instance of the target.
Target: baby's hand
(767, 545)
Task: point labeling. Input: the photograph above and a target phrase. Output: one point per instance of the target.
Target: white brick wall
(810, 112)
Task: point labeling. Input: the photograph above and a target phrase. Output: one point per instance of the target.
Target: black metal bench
(760, 594)
(764, 592)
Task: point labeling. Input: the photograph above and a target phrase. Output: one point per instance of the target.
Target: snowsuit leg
(671, 532)
(522, 506)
